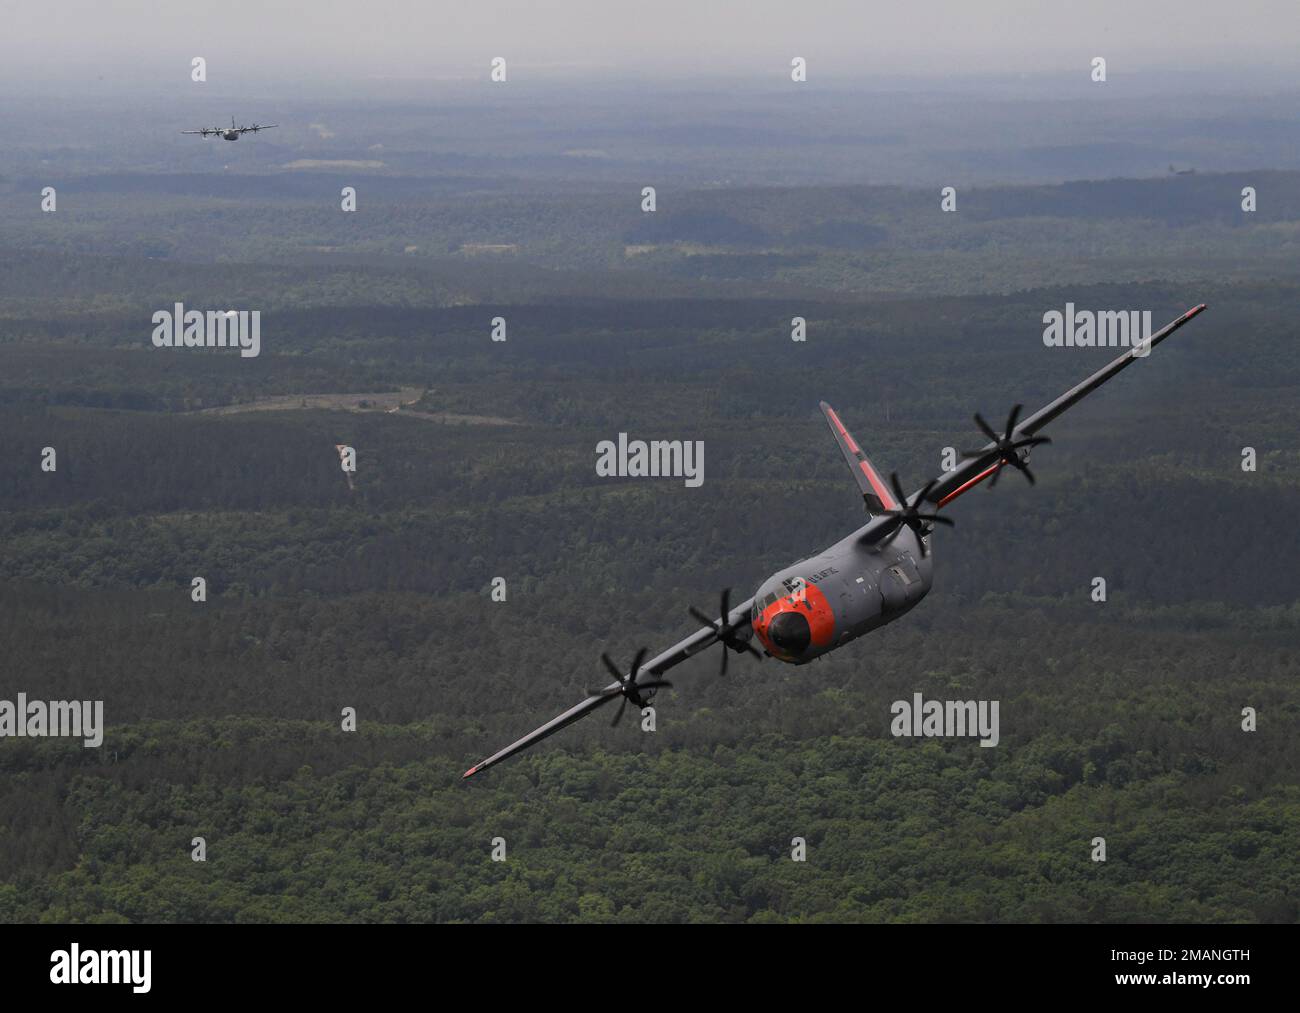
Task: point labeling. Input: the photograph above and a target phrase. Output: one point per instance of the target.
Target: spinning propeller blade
(1005, 446)
(909, 515)
(725, 632)
(628, 687)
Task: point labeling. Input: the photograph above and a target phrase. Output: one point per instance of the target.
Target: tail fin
(875, 493)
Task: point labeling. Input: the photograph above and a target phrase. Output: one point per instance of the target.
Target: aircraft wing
(701, 639)
(258, 126)
(205, 131)
(975, 469)
(1079, 391)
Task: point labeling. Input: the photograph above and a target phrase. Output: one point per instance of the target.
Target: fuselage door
(901, 583)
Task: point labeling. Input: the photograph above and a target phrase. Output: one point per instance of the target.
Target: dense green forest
(452, 244)
(1120, 719)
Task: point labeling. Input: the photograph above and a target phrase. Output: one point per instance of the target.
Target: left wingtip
(469, 773)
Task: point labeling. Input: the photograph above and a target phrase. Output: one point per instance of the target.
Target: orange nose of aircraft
(791, 625)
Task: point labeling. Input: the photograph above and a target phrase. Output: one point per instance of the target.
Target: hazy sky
(117, 40)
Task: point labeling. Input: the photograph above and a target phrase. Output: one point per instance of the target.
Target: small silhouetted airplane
(232, 132)
(875, 575)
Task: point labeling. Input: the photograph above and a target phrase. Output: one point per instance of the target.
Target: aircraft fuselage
(822, 602)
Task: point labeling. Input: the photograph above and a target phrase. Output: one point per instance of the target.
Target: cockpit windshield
(761, 603)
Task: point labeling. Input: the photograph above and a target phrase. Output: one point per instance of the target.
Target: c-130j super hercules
(232, 132)
(872, 577)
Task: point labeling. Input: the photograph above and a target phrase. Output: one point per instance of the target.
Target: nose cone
(789, 633)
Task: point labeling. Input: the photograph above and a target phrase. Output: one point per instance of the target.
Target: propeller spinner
(628, 687)
(726, 632)
(1007, 446)
(909, 514)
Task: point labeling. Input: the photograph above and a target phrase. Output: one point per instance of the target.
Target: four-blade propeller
(1007, 447)
(909, 514)
(628, 687)
(726, 631)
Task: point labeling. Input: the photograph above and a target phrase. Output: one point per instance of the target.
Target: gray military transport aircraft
(875, 575)
(232, 132)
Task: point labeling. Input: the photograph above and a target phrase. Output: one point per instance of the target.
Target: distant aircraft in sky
(232, 132)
